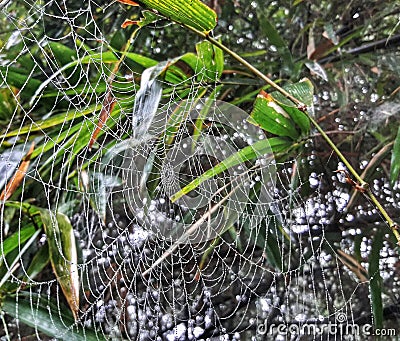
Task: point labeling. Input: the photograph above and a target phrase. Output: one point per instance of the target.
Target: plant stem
(301, 106)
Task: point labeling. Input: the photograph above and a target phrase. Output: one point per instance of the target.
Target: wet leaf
(63, 255)
(298, 117)
(47, 316)
(147, 99)
(51, 122)
(148, 18)
(395, 161)
(353, 265)
(248, 153)
(303, 91)
(16, 240)
(96, 185)
(276, 40)
(14, 183)
(322, 49)
(22, 81)
(206, 256)
(191, 13)
(8, 104)
(108, 106)
(38, 263)
(270, 117)
(64, 55)
(375, 282)
(279, 144)
(268, 237)
(212, 61)
(317, 69)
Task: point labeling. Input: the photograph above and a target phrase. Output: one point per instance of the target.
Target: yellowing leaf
(63, 255)
(18, 177)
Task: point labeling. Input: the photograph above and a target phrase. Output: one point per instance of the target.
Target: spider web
(276, 264)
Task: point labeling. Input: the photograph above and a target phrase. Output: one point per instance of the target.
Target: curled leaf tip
(128, 22)
(265, 95)
(128, 2)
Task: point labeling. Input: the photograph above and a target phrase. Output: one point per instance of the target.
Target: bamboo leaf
(191, 13)
(38, 263)
(16, 240)
(279, 144)
(22, 81)
(269, 116)
(298, 117)
(64, 55)
(303, 91)
(275, 39)
(375, 282)
(8, 104)
(63, 255)
(52, 121)
(47, 316)
(246, 154)
(267, 236)
(212, 60)
(395, 161)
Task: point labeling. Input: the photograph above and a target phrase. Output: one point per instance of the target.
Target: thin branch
(301, 106)
(370, 47)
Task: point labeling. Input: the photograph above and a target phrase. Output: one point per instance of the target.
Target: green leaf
(299, 117)
(57, 140)
(212, 60)
(16, 240)
(267, 236)
(268, 115)
(279, 144)
(375, 283)
(24, 82)
(47, 316)
(192, 60)
(148, 18)
(203, 114)
(275, 39)
(52, 121)
(245, 154)
(118, 40)
(191, 13)
(38, 263)
(8, 104)
(64, 55)
(303, 91)
(63, 255)
(395, 161)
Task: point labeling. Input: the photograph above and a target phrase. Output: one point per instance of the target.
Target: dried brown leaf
(18, 177)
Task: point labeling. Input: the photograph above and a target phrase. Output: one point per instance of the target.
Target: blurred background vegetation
(340, 250)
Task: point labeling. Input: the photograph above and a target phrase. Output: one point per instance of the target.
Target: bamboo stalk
(301, 106)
